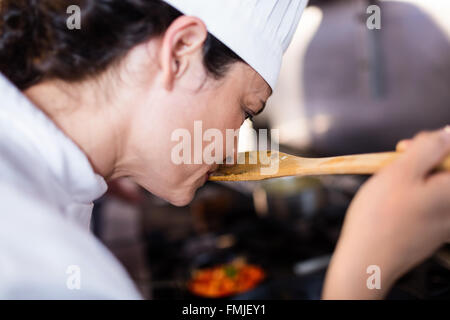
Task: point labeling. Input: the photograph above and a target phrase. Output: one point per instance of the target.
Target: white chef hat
(259, 31)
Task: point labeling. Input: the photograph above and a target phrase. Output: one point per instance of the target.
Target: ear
(182, 41)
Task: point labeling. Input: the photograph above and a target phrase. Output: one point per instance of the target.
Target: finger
(437, 189)
(403, 145)
(427, 151)
(441, 182)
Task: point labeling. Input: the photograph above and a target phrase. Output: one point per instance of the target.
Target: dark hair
(36, 44)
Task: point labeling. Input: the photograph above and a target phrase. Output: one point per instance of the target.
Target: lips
(210, 172)
(209, 175)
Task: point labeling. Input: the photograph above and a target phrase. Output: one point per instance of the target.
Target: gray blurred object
(362, 90)
(311, 266)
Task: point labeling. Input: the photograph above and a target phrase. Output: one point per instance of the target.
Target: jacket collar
(41, 138)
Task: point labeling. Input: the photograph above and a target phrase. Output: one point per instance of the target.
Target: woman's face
(174, 129)
(175, 103)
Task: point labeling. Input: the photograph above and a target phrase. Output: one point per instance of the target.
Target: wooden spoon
(288, 165)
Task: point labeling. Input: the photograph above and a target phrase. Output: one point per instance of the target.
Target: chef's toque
(259, 31)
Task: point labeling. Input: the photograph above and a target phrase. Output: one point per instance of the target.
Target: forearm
(397, 219)
(358, 274)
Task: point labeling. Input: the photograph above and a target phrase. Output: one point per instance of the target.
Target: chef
(83, 106)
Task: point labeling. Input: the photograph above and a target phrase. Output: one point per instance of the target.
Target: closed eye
(249, 114)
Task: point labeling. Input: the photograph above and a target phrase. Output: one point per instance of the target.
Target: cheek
(227, 119)
(227, 115)
(215, 111)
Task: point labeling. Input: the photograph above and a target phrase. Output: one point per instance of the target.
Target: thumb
(403, 145)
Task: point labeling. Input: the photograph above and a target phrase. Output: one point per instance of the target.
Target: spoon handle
(289, 165)
(352, 164)
(356, 164)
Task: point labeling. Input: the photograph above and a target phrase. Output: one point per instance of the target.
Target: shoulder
(42, 251)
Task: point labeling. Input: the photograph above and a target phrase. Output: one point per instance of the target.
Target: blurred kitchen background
(343, 89)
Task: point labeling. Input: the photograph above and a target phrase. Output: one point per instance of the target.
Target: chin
(181, 200)
(176, 194)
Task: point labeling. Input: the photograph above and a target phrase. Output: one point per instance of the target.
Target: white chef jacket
(47, 189)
